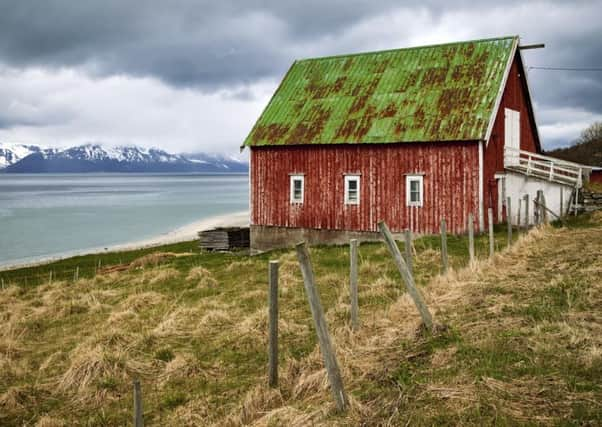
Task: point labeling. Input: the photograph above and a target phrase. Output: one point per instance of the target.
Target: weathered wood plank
(509, 219)
(353, 279)
(273, 324)
(471, 237)
(406, 276)
(408, 250)
(491, 235)
(444, 260)
(328, 354)
(138, 419)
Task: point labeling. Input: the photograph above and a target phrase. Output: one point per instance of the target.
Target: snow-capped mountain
(12, 153)
(98, 158)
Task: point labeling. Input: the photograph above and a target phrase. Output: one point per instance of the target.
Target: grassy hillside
(587, 153)
(521, 341)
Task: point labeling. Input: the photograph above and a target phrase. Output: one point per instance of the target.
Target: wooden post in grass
(330, 360)
(543, 207)
(526, 211)
(491, 236)
(471, 237)
(273, 325)
(406, 276)
(355, 323)
(138, 420)
(509, 219)
(76, 274)
(518, 223)
(50, 278)
(444, 246)
(2, 283)
(561, 202)
(407, 234)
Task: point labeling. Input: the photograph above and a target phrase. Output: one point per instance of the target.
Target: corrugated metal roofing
(431, 93)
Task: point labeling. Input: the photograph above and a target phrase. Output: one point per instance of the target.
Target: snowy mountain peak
(94, 157)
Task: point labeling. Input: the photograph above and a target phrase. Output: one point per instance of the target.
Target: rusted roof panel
(432, 93)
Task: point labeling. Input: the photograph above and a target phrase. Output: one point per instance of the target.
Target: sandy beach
(181, 234)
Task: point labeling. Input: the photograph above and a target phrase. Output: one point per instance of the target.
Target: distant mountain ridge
(21, 158)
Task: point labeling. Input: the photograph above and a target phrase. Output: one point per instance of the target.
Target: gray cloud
(230, 47)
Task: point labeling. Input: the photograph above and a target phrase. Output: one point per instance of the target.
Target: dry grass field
(519, 342)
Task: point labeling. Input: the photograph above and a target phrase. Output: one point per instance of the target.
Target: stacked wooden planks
(224, 238)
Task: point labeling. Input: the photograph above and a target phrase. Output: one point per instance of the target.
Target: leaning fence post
(407, 277)
(353, 284)
(527, 211)
(509, 220)
(491, 237)
(330, 360)
(138, 420)
(273, 324)
(444, 245)
(408, 250)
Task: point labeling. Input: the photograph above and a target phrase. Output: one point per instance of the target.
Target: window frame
(420, 179)
(296, 177)
(348, 178)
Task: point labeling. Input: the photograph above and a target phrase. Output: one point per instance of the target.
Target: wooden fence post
(138, 420)
(330, 359)
(536, 210)
(491, 236)
(2, 282)
(408, 250)
(76, 274)
(273, 324)
(355, 323)
(509, 219)
(543, 208)
(561, 202)
(527, 211)
(444, 246)
(50, 278)
(406, 276)
(471, 237)
(518, 222)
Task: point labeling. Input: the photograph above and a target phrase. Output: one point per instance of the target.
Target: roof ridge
(349, 55)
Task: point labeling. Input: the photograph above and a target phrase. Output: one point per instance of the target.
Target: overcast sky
(195, 75)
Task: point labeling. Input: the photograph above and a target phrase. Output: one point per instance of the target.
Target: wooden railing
(545, 167)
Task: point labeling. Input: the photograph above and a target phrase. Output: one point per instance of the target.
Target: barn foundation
(265, 238)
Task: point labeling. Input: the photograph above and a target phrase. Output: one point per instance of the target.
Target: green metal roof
(431, 93)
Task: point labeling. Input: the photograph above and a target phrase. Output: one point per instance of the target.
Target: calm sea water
(46, 215)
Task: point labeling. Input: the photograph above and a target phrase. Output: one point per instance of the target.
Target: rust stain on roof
(431, 93)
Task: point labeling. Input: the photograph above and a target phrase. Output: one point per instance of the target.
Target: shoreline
(184, 233)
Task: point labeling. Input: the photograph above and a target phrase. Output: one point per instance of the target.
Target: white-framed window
(352, 189)
(297, 188)
(414, 190)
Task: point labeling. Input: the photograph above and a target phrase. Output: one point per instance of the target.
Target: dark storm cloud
(181, 42)
(213, 45)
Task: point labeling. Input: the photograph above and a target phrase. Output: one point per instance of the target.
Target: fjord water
(45, 215)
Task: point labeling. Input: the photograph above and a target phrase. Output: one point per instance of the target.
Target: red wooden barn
(408, 136)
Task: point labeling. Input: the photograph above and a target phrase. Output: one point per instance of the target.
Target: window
(352, 189)
(414, 190)
(297, 188)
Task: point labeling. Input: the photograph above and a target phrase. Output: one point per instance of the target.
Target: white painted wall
(518, 185)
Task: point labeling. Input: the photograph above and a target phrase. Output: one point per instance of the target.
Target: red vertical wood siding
(450, 185)
(515, 97)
